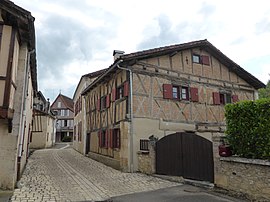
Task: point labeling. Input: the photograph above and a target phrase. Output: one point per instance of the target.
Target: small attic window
(196, 58)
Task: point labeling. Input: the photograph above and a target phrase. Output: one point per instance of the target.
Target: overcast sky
(75, 37)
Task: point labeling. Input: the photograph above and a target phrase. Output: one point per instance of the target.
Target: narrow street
(66, 175)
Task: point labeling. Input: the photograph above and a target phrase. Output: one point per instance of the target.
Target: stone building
(62, 108)
(157, 93)
(80, 136)
(18, 86)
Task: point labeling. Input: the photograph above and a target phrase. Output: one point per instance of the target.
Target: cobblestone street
(66, 175)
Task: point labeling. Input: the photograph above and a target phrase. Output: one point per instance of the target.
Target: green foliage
(265, 92)
(248, 128)
(67, 139)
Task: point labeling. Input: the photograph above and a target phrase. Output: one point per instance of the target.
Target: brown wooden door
(187, 155)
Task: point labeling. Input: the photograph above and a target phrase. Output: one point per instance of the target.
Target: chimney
(117, 54)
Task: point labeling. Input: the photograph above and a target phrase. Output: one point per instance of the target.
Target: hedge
(248, 128)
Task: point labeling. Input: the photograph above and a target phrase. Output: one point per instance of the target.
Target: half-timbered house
(18, 85)
(81, 139)
(158, 92)
(62, 108)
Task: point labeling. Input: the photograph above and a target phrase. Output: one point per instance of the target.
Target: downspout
(130, 107)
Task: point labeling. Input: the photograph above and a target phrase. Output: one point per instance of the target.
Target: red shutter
(194, 94)
(235, 98)
(98, 104)
(113, 94)
(216, 98)
(107, 138)
(167, 91)
(205, 60)
(126, 89)
(108, 100)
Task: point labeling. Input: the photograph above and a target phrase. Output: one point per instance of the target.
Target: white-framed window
(58, 104)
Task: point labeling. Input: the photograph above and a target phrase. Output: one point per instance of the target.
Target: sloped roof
(172, 49)
(68, 102)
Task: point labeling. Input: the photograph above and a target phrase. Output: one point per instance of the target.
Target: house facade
(18, 86)
(43, 127)
(62, 107)
(158, 92)
(80, 136)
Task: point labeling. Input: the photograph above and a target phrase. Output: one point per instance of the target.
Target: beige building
(153, 94)
(43, 128)
(62, 107)
(18, 85)
(80, 136)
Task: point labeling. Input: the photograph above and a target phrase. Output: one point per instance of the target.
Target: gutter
(130, 109)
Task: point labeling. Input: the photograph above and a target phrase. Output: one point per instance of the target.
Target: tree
(265, 92)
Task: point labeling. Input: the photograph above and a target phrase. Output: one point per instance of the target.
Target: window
(119, 92)
(58, 104)
(103, 102)
(144, 145)
(184, 93)
(65, 123)
(116, 138)
(103, 138)
(196, 58)
(221, 98)
(201, 59)
(180, 92)
(175, 92)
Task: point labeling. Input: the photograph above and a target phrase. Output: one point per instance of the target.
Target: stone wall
(146, 161)
(248, 176)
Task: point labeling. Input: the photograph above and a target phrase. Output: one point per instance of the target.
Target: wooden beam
(9, 69)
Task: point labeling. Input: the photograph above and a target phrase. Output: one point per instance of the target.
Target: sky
(76, 37)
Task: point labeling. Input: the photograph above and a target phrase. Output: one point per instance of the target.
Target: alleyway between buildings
(65, 175)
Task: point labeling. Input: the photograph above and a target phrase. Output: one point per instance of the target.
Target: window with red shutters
(126, 89)
(235, 98)
(167, 91)
(194, 95)
(116, 138)
(100, 138)
(216, 98)
(205, 60)
(106, 138)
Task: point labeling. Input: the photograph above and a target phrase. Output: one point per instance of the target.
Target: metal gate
(187, 155)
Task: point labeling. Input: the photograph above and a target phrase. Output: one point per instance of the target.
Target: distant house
(173, 94)
(62, 108)
(18, 86)
(80, 136)
(43, 128)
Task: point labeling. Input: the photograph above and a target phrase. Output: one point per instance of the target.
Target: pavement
(63, 174)
(66, 175)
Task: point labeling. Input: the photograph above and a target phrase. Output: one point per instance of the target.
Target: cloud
(262, 26)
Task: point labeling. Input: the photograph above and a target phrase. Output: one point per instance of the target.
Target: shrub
(67, 139)
(248, 128)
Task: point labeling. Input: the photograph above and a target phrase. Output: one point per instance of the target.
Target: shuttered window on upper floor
(180, 92)
(201, 59)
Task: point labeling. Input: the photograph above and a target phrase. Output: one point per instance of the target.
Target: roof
(66, 100)
(91, 76)
(23, 21)
(172, 49)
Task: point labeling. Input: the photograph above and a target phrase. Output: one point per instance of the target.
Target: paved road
(183, 193)
(66, 175)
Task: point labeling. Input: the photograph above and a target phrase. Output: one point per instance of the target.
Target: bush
(67, 139)
(248, 128)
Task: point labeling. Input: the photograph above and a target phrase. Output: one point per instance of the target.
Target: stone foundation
(146, 161)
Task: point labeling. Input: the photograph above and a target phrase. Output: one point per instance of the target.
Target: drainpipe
(131, 166)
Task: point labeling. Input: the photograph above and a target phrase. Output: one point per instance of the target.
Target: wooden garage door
(187, 155)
